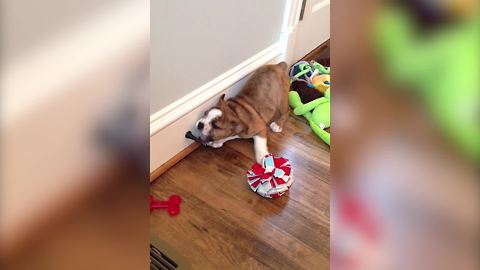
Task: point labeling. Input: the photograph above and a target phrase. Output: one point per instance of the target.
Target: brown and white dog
(261, 103)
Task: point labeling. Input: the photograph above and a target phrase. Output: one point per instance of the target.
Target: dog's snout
(206, 138)
(200, 125)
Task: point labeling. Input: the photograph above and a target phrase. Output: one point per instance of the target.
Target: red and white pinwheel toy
(272, 178)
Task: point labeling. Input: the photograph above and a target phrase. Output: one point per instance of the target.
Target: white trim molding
(186, 104)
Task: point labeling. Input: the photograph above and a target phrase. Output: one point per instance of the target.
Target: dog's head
(218, 122)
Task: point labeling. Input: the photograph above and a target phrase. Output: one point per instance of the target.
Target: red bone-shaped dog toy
(172, 204)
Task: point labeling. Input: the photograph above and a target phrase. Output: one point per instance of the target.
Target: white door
(313, 27)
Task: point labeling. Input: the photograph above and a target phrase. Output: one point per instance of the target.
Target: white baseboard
(168, 126)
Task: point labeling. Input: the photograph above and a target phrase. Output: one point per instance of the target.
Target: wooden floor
(224, 225)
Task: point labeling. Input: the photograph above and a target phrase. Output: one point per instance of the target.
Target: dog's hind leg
(278, 124)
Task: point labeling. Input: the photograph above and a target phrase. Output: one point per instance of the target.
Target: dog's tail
(283, 65)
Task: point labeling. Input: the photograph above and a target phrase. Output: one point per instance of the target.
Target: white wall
(192, 41)
(26, 25)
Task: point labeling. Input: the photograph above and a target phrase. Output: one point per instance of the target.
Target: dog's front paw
(275, 127)
(215, 144)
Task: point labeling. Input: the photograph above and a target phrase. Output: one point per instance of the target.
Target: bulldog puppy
(261, 104)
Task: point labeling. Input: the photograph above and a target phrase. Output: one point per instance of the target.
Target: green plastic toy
(441, 67)
(317, 113)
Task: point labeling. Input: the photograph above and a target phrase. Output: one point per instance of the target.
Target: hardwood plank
(174, 160)
(219, 240)
(234, 185)
(224, 225)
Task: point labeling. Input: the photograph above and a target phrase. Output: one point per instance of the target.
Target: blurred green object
(441, 66)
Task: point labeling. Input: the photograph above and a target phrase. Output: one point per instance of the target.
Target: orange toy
(321, 82)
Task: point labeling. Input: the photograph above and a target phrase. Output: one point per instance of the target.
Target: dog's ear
(236, 126)
(221, 102)
(222, 98)
(283, 65)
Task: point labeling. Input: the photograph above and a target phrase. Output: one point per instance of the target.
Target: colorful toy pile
(310, 96)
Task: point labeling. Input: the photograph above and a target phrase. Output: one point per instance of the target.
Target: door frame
(291, 20)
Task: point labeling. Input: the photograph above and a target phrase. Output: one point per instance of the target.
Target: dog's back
(267, 90)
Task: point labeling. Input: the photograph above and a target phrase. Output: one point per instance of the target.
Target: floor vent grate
(160, 261)
(165, 257)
